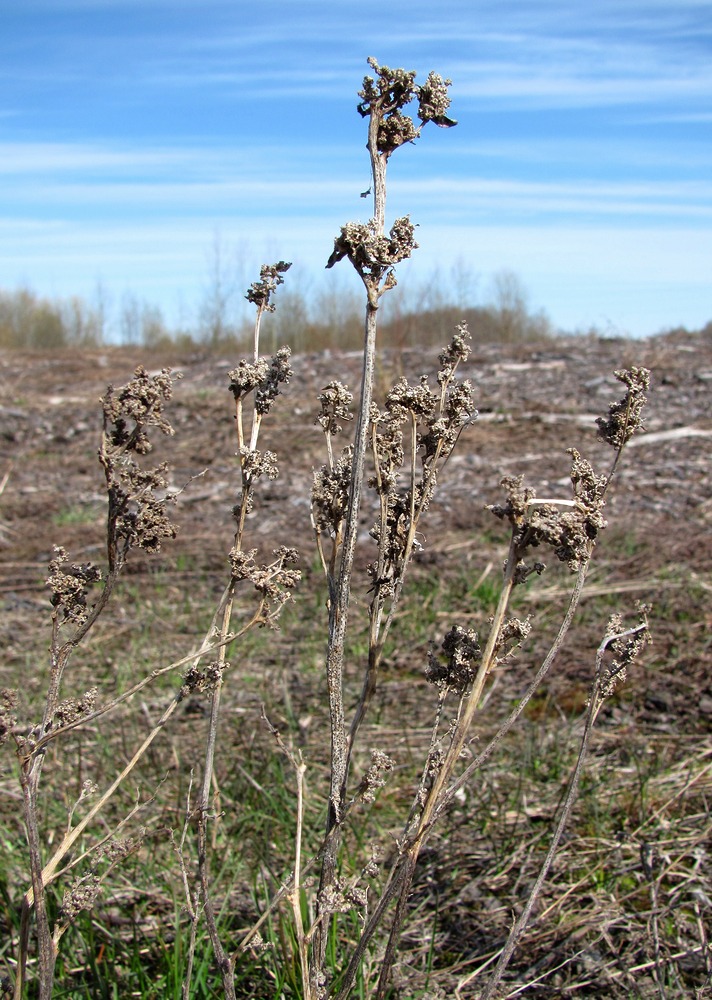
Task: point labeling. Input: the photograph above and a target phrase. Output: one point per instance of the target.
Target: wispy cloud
(129, 136)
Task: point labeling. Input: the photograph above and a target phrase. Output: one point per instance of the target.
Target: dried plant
(395, 456)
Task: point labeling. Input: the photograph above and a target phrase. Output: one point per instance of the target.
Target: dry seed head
(569, 527)
(145, 524)
(625, 649)
(511, 635)
(118, 848)
(434, 101)
(279, 372)
(8, 704)
(335, 400)
(256, 464)
(419, 400)
(386, 96)
(374, 778)
(625, 416)
(330, 494)
(457, 350)
(456, 670)
(260, 292)
(203, 681)
(372, 253)
(393, 89)
(247, 376)
(273, 581)
(89, 788)
(80, 896)
(70, 586)
(72, 709)
(340, 897)
(140, 401)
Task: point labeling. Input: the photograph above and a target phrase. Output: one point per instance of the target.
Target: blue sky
(137, 135)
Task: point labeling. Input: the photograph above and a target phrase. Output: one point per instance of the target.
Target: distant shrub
(28, 321)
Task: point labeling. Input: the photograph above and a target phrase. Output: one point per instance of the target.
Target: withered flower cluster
(436, 419)
(8, 705)
(132, 408)
(456, 352)
(455, 666)
(82, 893)
(625, 415)
(260, 292)
(335, 400)
(273, 581)
(569, 527)
(72, 709)
(137, 514)
(375, 777)
(383, 98)
(373, 254)
(263, 377)
(256, 464)
(625, 645)
(342, 897)
(203, 680)
(70, 586)
(330, 494)
(391, 92)
(80, 896)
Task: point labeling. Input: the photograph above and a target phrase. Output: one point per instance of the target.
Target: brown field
(606, 925)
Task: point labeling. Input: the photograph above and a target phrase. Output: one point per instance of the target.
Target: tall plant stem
(340, 588)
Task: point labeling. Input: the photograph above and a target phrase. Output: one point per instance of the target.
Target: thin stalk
(295, 895)
(50, 869)
(340, 589)
(594, 706)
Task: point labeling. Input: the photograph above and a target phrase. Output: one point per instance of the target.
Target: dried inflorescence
(279, 373)
(330, 494)
(342, 897)
(137, 514)
(260, 292)
(71, 710)
(390, 92)
(434, 101)
(419, 400)
(8, 704)
(625, 645)
(569, 527)
(84, 889)
(625, 416)
(205, 680)
(455, 667)
(247, 376)
(435, 421)
(79, 896)
(335, 399)
(139, 402)
(511, 635)
(70, 586)
(141, 518)
(372, 253)
(117, 849)
(273, 581)
(255, 464)
(375, 776)
(457, 351)
(383, 98)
